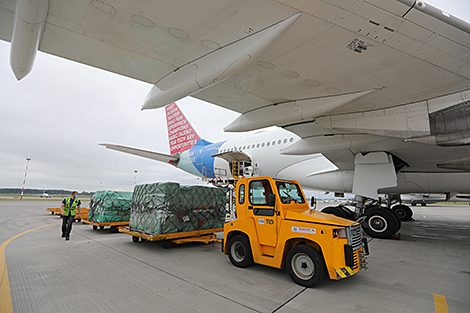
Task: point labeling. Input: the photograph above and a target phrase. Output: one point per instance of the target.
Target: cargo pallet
(83, 213)
(113, 225)
(204, 235)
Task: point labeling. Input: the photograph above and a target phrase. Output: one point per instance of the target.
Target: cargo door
(264, 214)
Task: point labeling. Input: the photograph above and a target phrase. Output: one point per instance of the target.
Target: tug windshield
(289, 192)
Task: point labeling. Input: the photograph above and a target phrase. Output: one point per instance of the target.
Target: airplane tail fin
(181, 134)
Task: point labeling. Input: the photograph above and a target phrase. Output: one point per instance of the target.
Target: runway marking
(6, 305)
(440, 304)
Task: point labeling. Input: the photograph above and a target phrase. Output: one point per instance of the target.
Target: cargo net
(162, 208)
(110, 206)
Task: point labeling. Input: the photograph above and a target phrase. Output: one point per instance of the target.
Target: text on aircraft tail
(181, 134)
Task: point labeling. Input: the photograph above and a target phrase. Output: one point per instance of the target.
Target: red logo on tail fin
(181, 134)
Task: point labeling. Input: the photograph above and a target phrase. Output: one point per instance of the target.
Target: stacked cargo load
(110, 206)
(163, 208)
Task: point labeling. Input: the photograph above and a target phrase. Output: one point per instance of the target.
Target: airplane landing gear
(404, 212)
(380, 222)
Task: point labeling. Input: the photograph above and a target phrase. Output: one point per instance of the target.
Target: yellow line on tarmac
(6, 305)
(440, 304)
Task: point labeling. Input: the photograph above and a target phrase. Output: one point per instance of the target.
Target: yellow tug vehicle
(272, 224)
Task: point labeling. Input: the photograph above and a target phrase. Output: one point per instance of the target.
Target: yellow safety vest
(67, 206)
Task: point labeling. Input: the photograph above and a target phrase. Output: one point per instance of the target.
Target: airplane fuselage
(313, 171)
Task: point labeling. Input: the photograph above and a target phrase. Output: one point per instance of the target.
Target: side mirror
(313, 202)
(271, 199)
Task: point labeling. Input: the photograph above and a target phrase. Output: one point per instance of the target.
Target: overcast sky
(59, 113)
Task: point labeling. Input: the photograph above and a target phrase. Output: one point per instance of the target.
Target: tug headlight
(340, 233)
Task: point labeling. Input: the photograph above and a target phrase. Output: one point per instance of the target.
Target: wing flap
(144, 153)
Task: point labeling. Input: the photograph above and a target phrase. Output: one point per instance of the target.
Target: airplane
(261, 153)
(381, 89)
(45, 195)
(425, 198)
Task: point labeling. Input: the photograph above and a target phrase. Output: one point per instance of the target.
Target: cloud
(59, 114)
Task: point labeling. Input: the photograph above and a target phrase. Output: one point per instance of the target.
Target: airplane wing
(349, 56)
(144, 153)
(381, 75)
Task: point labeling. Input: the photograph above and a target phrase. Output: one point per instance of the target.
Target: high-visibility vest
(67, 206)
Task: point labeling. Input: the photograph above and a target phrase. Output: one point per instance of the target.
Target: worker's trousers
(67, 222)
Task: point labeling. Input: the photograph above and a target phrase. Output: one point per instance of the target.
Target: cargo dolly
(203, 235)
(113, 225)
(83, 213)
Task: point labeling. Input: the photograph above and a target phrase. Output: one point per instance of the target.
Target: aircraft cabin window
(257, 146)
(274, 142)
(285, 140)
(262, 145)
(279, 142)
(291, 140)
(253, 146)
(244, 147)
(268, 143)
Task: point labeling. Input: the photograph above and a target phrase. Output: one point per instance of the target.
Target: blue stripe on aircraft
(203, 160)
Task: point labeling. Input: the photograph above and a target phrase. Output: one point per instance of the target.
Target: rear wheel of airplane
(380, 223)
(336, 211)
(339, 211)
(305, 265)
(239, 251)
(397, 218)
(404, 212)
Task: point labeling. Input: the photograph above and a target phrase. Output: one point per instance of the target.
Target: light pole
(25, 173)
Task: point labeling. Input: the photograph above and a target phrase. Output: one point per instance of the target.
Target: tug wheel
(239, 251)
(305, 265)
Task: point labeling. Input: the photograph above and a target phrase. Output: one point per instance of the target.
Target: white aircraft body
(376, 92)
(45, 195)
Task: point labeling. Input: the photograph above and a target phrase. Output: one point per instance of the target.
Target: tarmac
(428, 270)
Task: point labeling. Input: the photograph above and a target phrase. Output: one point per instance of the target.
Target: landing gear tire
(305, 265)
(404, 212)
(397, 218)
(334, 210)
(380, 223)
(239, 251)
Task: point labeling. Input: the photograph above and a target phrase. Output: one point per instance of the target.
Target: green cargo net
(110, 206)
(162, 208)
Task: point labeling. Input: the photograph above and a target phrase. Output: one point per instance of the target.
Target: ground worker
(68, 210)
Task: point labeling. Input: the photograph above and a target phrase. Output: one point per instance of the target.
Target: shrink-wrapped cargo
(110, 206)
(162, 208)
